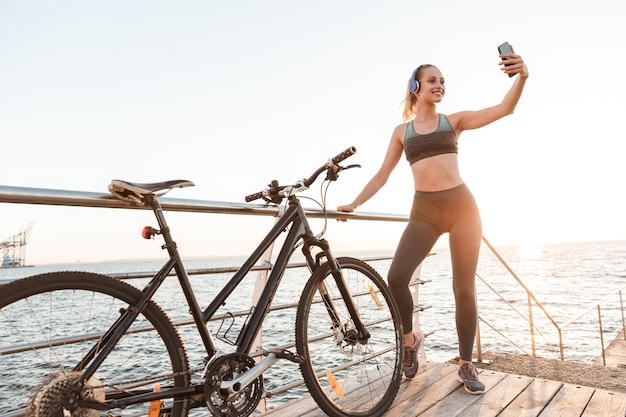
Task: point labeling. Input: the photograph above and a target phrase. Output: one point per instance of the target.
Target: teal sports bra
(442, 140)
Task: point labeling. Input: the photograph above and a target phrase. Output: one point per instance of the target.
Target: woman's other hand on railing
(347, 208)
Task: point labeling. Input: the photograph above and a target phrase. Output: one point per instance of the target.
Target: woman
(442, 203)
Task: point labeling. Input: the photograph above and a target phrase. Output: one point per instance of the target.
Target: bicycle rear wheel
(50, 321)
(346, 376)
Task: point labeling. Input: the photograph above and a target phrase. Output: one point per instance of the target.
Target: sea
(573, 291)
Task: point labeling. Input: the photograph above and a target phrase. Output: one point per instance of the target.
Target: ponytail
(410, 105)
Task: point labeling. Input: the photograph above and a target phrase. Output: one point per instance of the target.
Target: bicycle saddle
(136, 192)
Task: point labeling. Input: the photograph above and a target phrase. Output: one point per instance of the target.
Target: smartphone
(505, 48)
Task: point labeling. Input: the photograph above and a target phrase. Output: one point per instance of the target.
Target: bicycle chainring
(51, 397)
(230, 403)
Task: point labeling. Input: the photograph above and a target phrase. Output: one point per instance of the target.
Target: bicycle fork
(362, 333)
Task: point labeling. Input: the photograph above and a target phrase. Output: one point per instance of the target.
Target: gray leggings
(452, 211)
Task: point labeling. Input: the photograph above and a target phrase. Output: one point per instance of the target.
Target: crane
(13, 248)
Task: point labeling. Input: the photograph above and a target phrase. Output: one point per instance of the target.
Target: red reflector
(147, 232)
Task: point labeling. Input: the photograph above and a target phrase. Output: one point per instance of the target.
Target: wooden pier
(435, 391)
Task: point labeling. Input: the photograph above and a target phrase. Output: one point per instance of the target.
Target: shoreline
(589, 375)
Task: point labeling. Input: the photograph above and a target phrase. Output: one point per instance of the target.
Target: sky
(231, 95)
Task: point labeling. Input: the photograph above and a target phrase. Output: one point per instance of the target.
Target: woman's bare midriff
(437, 173)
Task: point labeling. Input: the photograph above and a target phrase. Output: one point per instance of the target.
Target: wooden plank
(571, 400)
(533, 399)
(606, 404)
(357, 399)
(360, 398)
(425, 390)
(459, 400)
(299, 407)
(499, 397)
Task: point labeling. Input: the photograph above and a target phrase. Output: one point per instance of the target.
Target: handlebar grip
(345, 154)
(254, 196)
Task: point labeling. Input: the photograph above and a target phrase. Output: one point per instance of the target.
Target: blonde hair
(410, 99)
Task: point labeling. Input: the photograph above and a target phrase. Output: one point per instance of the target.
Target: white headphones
(415, 85)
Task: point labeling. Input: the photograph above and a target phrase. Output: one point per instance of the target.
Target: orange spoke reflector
(155, 406)
(375, 297)
(334, 384)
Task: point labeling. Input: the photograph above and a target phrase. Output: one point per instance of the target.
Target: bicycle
(88, 345)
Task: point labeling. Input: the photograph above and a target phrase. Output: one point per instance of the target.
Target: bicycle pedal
(285, 354)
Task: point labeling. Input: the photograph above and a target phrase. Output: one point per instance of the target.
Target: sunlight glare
(530, 251)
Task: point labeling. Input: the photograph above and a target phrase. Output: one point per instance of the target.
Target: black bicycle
(88, 345)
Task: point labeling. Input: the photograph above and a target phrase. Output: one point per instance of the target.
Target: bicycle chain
(154, 378)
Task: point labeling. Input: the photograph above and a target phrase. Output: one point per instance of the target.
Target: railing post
(601, 336)
(261, 281)
(621, 304)
(532, 325)
(479, 347)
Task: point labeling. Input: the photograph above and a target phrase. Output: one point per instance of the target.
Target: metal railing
(598, 307)
(533, 329)
(54, 197)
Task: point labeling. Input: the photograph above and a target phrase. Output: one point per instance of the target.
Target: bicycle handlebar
(254, 196)
(331, 166)
(344, 155)
(268, 192)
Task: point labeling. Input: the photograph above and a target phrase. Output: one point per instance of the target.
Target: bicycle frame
(293, 218)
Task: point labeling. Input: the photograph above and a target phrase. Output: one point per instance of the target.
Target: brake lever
(274, 193)
(332, 173)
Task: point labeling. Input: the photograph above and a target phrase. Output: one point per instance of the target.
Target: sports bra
(442, 140)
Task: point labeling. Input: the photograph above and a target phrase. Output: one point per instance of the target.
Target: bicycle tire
(50, 321)
(347, 378)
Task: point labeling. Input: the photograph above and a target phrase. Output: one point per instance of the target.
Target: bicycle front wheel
(345, 374)
(50, 321)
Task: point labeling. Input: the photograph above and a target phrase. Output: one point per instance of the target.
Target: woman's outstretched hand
(513, 64)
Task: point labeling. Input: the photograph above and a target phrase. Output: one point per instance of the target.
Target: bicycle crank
(235, 401)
